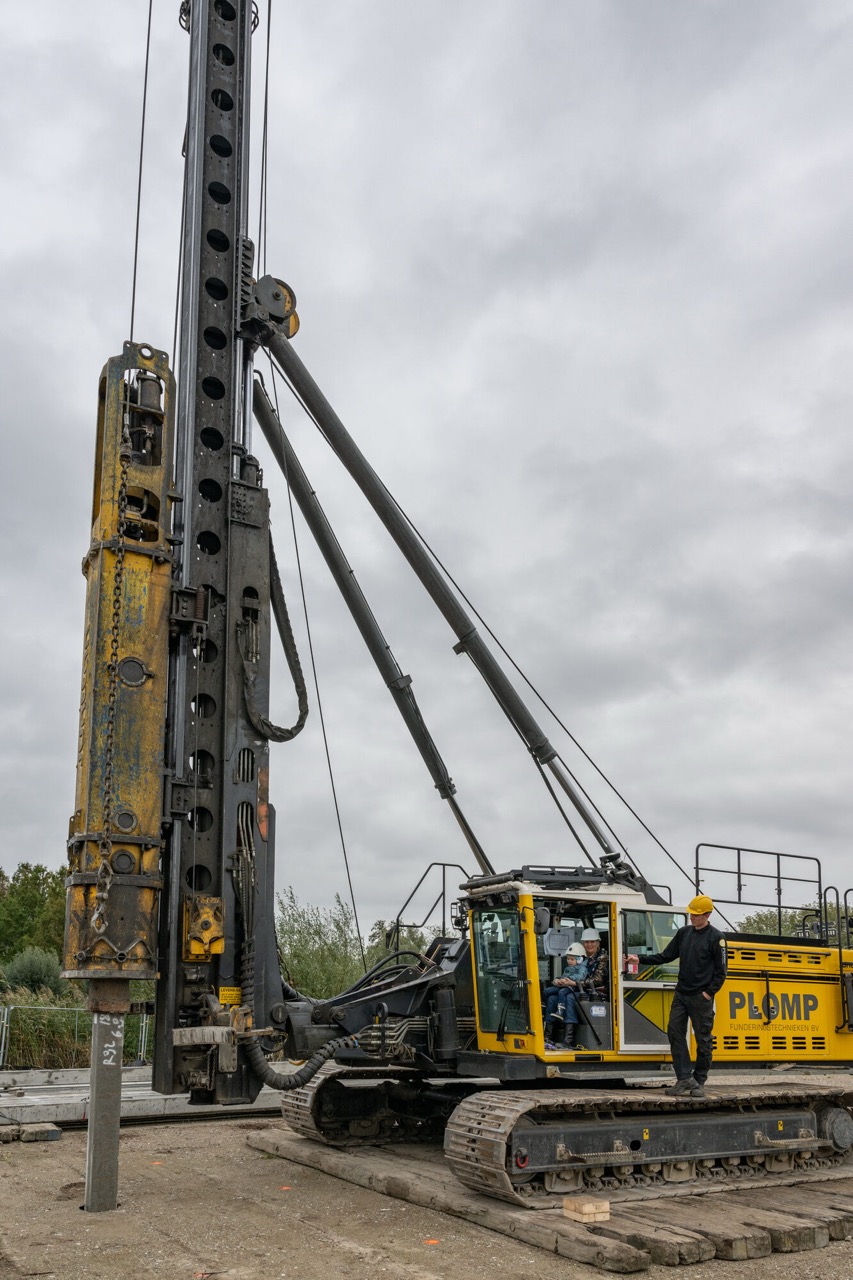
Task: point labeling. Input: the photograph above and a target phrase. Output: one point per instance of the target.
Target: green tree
(320, 947)
(412, 938)
(799, 922)
(32, 910)
(35, 970)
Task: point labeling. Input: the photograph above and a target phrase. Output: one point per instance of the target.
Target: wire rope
(299, 399)
(544, 703)
(262, 200)
(139, 174)
(262, 261)
(320, 713)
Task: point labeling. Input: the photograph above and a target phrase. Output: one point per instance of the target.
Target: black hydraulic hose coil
(258, 1062)
(268, 1074)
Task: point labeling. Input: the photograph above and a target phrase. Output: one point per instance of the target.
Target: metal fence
(56, 1036)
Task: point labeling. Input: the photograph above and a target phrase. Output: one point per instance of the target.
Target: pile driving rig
(171, 842)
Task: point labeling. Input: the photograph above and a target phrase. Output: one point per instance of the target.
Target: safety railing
(392, 935)
(57, 1036)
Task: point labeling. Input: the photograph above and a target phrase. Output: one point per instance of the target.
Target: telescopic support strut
(469, 640)
(398, 684)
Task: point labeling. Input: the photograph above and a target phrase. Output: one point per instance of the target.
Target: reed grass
(50, 1032)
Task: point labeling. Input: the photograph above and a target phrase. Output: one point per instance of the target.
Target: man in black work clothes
(700, 951)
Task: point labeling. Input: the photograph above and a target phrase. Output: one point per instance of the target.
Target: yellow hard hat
(700, 906)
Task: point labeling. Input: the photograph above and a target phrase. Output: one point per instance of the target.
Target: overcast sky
(577, 276)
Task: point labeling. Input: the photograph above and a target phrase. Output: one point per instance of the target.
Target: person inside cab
(598, 963)
(561, 1009)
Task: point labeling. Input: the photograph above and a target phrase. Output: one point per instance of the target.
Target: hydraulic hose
(268, 1074)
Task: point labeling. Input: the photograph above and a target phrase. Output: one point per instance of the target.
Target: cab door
(645, 997)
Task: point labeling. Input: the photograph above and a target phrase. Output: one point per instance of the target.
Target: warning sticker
(229, 995)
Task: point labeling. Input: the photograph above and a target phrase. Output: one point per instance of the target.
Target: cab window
(647, 933)
(568, 927)
(499, 966)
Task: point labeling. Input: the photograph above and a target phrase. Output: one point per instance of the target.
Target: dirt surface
(196, 1202)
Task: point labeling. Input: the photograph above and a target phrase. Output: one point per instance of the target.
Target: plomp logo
(786, 1007)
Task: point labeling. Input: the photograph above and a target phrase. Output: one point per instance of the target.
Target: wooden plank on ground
(732, 1239)
(804, 1205)
(669, 1246)
(838, 1192)
(788, 1234)
(435, 1187)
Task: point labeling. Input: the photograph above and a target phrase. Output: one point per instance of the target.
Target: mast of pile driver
(171, 845)
(172, 818)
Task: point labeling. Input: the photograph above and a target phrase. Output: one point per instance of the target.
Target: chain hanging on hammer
(105, 845)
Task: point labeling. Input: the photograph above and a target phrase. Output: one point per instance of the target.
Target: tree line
(321, 950)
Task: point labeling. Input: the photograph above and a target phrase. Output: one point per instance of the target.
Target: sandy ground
(196, 1202)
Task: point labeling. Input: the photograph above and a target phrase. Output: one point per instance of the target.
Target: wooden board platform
(668, 1228)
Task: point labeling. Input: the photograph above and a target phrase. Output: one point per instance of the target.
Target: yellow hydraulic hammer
(114, 838)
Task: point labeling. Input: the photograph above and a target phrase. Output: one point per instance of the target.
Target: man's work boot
(684, 1088)
(569, 1030)
(698, 1090)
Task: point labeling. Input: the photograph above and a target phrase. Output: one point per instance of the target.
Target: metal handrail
(442, 898)
(743, 875)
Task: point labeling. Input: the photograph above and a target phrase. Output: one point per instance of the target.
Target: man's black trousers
(700, 1012)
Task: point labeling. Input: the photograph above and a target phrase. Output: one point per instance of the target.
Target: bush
(46, 1031)
(320, 947)
(35, 970)
(49, 1032)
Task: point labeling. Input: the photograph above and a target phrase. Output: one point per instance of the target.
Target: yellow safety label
(645, 1134)
(229, 995)
(780, 1125)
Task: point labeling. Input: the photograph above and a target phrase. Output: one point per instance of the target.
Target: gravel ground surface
(196, 1202)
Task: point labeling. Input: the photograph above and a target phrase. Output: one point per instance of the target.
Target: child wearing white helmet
(561, 1016)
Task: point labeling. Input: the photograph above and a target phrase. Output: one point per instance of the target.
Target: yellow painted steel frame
(534, 1041)
(782, 1002)
(115, 832)
(514, 1041)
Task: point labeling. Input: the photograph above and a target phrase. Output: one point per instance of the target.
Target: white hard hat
(576, 949)
(590, 935)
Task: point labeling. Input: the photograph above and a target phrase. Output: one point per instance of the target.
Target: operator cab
(521, 927)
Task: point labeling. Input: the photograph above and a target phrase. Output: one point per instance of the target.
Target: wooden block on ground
(668, 1246)
(788, 1234)
(391, 1172)
(10, 1132)
(586, 1209)
(803, 1205)
(733, 1240)
(40, 1132)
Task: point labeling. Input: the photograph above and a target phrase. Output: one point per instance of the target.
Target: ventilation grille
(778, 1044)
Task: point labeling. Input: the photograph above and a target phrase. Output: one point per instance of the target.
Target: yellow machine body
(784, 1000)
(114, 837)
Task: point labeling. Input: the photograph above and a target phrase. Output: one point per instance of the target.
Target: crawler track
(530, 1146)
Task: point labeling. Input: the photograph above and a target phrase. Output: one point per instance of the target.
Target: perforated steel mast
(216, 918)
